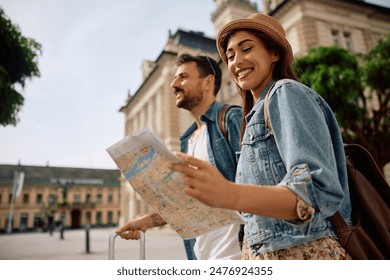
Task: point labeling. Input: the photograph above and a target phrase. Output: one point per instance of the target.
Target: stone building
(353, 25)
(75, 196)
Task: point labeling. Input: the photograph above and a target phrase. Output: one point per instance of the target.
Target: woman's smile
(243, 73)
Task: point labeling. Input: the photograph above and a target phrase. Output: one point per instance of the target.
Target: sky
(92, 51)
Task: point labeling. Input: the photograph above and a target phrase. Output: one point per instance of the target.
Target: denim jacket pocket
(261, 159)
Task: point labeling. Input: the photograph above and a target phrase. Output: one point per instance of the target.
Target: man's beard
(192, 101)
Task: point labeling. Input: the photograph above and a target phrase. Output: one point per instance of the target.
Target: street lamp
(65, 186)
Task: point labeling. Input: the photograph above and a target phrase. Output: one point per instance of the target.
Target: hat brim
(250, 23)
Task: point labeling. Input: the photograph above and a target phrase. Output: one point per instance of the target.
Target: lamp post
(65, 186)
(87, 239)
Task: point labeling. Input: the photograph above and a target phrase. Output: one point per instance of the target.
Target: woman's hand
(205, 182)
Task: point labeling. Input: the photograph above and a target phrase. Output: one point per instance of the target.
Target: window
(88, 198)
(342, 39)
(76, 198)
(99, 218)
(37, 220)
(26, 199)
(88, 216)
(23, 221)
(39, 198)
(153, 105)
(335, 37)
(348, 41)
(110, 198)
(110, 217)
(99, 198)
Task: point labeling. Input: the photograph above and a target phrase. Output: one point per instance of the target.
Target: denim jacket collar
(209, 115)
(260, 101)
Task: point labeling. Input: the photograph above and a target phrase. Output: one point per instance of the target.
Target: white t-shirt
(221, 243)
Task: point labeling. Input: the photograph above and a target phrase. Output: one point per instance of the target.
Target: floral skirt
(325, 248)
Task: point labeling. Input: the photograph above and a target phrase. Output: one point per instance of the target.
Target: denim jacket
(304, 153)
(222, 152)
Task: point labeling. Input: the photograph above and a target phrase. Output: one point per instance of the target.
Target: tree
(18, 61)
(344, 81)
(376, 76)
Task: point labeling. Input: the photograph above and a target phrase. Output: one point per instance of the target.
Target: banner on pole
(18, 183)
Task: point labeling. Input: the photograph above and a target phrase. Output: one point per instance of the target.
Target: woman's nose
(237, 59)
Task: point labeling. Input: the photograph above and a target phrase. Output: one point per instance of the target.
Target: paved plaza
(161, 244)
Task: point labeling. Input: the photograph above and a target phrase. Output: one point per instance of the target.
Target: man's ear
(208, 82)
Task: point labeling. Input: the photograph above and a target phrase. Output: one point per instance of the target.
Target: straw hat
(261, 22)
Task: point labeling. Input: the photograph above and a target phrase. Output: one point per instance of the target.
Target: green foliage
(18, 61)
(376, 76)
(335, 74)
(377, 66)
(345, 80)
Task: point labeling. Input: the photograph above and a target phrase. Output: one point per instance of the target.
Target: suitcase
(111, 246)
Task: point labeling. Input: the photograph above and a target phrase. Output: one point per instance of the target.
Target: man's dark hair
(206, 66)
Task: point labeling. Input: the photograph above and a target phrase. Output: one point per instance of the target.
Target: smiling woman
(287, 183)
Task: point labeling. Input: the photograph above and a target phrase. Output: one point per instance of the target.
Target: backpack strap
(222, 126)
(266, 114)
(222, 117)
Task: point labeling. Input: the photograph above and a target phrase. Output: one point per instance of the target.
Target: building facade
(75, 197)
(353, 25)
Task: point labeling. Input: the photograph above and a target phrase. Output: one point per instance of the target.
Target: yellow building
(75, 196)
(353, 25)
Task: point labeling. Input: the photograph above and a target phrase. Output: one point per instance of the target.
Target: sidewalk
(161, 244)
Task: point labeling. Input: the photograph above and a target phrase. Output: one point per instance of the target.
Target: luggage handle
(111, 246)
